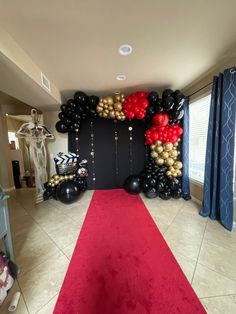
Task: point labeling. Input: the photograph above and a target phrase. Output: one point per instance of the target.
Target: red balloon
(160, 119)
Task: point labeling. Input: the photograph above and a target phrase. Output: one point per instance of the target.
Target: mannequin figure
(35, 135)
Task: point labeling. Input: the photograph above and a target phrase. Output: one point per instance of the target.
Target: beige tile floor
(44, 237)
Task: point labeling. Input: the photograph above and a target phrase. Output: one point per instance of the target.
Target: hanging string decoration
(92, 152)
(116, 148)
(162, 171)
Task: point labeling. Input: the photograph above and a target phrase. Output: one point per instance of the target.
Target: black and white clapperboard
(62, 159)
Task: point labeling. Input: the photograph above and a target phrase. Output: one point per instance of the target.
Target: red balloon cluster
(164, 134)
(135, 105)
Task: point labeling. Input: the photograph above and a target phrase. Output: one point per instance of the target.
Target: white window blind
(198, 127)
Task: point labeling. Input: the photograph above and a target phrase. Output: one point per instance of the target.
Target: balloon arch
(162, 117)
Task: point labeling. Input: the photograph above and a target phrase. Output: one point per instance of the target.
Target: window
(13, 138)
(198, 127)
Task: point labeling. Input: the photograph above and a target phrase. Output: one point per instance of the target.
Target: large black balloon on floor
(133, 184)
(67, 192)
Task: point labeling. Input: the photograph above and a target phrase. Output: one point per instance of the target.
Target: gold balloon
(111, 115)
(159, 149)
(168, 146)
(159, 161)
(179, 173)
(168, 173)
(118, 106)
(175, 144)
(52, 184)
(178, 165)
(154, 154)
(173, 153)
(49, 183)
(99, 109)
(158, 143)
(174, 175)
(51, 180)
(105, 115)
(56, 182)
(164, 155)
(105, 101)
(169, 161)
(122, 95)
(152, 147)
(110, 100)
(117, 97)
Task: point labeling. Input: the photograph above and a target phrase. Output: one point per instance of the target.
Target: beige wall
(6, 177)
(60, 142)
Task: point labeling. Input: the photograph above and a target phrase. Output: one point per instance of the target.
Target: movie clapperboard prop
(66, 163)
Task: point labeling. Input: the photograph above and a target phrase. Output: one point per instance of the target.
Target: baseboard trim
(196, 200)
(12, 188)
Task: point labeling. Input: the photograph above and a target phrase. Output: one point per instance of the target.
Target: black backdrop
(105, 151)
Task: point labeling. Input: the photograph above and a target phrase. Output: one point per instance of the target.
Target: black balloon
(160, 186)
(61, 127)
(177, 193)
(173, 183)
(144, 186)
(165, 195)
(152, 182)
(168, 103)
(80, 97)
(132, 184)
(167, 93)
(93, 100)
(176, 114)
(67, 192)
(63, 108)
(151, 193)
(61, 115)
(76, 117)
(153, 97)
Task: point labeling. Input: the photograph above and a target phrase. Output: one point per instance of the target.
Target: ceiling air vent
(45, 82)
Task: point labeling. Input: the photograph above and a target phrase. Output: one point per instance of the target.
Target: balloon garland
(162, 116)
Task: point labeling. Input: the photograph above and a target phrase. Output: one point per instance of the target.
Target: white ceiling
(75, 42)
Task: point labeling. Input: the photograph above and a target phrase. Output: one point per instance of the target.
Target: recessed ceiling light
(6, 114)
(125, 50)
(121, 77)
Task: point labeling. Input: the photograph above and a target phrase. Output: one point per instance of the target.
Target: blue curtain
(185, 151)
(218, 181)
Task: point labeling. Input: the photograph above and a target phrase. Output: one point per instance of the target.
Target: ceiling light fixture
(121, 77)
(125, 50)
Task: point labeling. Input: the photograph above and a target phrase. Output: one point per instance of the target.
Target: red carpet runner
(121, 264)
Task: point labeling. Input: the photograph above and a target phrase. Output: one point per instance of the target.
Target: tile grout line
(199, 252)
(218, 296)
(23, 297)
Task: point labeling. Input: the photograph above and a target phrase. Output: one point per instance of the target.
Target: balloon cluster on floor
(162, 116)
(69, 182)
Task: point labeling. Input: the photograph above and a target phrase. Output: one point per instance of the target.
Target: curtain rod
(200, 89)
